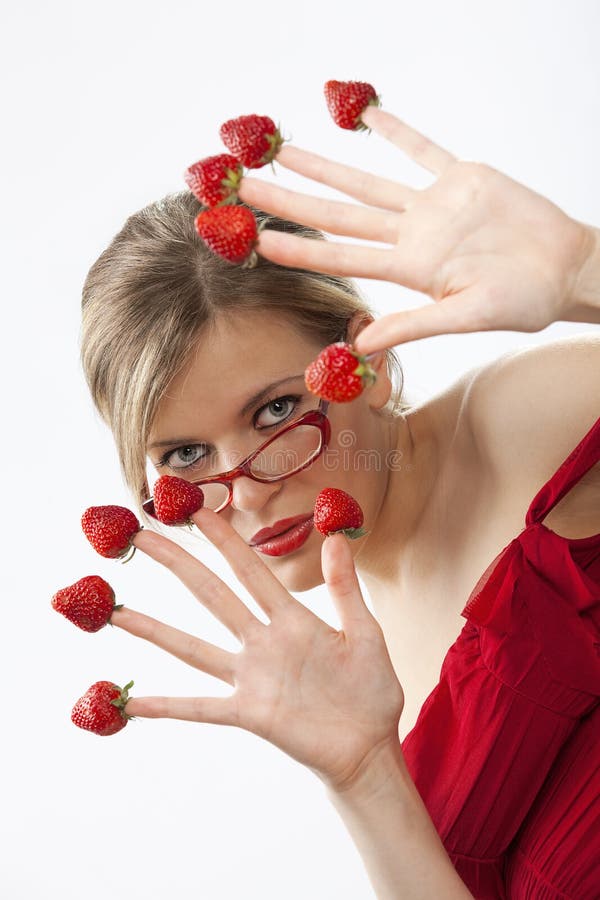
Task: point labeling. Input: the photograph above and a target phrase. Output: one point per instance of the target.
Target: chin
(302, 583)
(298, 578)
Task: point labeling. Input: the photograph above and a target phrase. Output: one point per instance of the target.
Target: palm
(324, 700)
(476, 233)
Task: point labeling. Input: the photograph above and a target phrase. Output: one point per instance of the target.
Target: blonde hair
(155, 289)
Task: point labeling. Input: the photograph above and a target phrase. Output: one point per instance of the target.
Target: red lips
(278, 528)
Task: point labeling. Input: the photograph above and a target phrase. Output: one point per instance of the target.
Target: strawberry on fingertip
(215, 180)
(88, 603)
(347, 100)
(176, 499)
(254, 140)
(335, 510)
(109, 529)
(339, 374)
(101, 710)
(231, 232)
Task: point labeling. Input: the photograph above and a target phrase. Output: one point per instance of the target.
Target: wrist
(583, 300)
(383, 770)
(394, 833)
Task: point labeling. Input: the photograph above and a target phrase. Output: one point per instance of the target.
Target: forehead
(244, 349)
(234, 358)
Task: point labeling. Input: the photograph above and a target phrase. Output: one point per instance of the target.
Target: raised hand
(330, 699)
(492, 253)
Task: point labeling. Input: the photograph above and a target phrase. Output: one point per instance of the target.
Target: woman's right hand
(491, 253)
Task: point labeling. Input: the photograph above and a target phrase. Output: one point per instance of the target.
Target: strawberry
(176, 499)
(102, 708)
(89, 603)
(255, 140)
(339, 374)
(231, 232)
(215, 180)
(109, 530)
(335, 510)
(346, 101)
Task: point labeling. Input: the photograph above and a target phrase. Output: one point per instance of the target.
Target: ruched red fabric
(506, 749)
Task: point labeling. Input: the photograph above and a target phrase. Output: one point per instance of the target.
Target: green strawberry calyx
(122, 699)
(252, 259)
(360, 125)
(231, 183)
(275, 141)
(351, 533)
(364, 370)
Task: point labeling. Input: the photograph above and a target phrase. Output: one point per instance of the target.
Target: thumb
(451, 315)
(342, 583)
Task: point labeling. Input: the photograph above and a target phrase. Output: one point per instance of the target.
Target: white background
(105, 105)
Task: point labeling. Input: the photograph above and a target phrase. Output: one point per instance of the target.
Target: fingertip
(133, 707)
(366, 347)
(335, 544)
(148, 538)
(204, 514)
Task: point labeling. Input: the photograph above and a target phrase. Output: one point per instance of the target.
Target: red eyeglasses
(288, 452)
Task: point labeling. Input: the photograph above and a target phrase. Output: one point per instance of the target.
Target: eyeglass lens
(289, 452)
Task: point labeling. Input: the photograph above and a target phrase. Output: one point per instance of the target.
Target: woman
(479, 782)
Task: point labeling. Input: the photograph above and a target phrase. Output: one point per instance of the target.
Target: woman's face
(203, 412)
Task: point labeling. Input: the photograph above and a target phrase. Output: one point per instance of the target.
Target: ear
(379, 393)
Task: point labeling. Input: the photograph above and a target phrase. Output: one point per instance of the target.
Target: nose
(249, 495)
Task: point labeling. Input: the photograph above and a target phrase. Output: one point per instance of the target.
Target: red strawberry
(255, 140)
(229, 231)
(215, 180)
(109, 530)
(176, 499)
(346, 101)
(339, 374)
(89, 603)
(102, 708)
(335, 510)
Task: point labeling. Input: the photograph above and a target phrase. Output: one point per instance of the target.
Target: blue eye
(280, 408)
(172, 457)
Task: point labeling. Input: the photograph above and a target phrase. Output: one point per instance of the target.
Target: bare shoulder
(529, 408)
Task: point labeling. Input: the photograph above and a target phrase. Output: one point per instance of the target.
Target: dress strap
(578, 462)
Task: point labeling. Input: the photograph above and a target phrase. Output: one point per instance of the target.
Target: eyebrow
(256, 398)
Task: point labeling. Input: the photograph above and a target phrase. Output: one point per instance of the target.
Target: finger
(189, 649)
(363, 186)
(327, 215)
(448, 316)
(423, 151)
(204, 584)
(342, 583)
(216, 710)
(325, 256)
(249, 570)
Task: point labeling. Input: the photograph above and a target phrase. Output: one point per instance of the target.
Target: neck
(410, 476)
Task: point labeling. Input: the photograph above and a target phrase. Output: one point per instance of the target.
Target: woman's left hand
(490, 252)
(330, 699)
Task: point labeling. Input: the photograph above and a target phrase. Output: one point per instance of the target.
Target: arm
(394, 834)
(330, 699)
(584, 302)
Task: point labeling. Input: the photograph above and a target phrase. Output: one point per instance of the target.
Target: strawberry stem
(132, 549)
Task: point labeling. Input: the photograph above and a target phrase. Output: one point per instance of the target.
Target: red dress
(506, 750)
